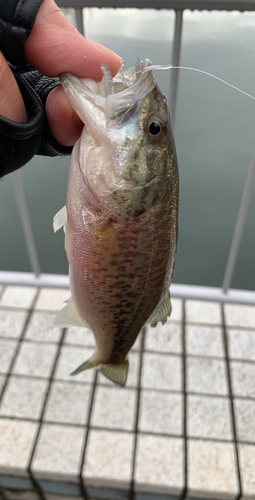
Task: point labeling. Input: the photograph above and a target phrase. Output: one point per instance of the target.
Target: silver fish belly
(121, 215)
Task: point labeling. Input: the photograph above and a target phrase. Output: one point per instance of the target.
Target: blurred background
(214, 134)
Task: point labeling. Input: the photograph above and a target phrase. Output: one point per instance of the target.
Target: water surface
(214, 135)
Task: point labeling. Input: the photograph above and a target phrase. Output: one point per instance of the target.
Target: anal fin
(68, 316)
(163, 312)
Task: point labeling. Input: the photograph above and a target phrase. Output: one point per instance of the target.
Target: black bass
(121, 215)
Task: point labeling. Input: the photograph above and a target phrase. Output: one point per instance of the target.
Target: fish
(121, 214)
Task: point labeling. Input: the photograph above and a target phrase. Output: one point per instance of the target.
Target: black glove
(19, 142)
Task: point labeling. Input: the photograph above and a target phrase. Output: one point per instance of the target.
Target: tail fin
(90, 363)
(116, 373)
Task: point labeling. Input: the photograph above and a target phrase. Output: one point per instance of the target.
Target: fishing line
(158, 66)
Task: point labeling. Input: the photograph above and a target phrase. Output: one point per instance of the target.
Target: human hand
(11, 102)
(53, 47)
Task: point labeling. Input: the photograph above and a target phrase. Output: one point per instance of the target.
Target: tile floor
(183, 428)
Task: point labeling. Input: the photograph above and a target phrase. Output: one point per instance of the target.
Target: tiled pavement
(183, 428)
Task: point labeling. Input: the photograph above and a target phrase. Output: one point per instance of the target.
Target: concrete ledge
(183, 428)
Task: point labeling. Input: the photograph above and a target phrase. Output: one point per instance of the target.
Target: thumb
(55, 46)
(11, 102)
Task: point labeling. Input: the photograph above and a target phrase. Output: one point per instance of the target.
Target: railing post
(239, 226)
(79, 21)
(25, 221)
(175, 62)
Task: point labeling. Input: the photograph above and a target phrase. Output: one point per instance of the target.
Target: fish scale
(122, 213)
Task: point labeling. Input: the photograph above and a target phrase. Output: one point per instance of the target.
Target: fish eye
(156, 128)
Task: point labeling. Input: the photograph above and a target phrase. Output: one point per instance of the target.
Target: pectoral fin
(163, 312)
(68, 316)
(60, 220)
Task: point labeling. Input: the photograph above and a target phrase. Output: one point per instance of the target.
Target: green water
(214, 136)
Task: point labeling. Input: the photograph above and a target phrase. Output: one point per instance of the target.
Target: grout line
(246, 329)
(219, 326)
(124, 431)
(243, 361)
(39, 377)
(37, 488)
(207, 395)
(225, 341)
(203, 324)
(87, 346)
(184, 390)
(164, 353)
(82, 485)
(135, 432)
(83, 490)
(196, 356)
(30, 311)
(205, 356)
(249, 398)
(45, 401)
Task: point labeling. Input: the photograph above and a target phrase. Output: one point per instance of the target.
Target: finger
(64, 123)
(11, 102)
(55, 46)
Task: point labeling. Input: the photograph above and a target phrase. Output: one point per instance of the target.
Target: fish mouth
(112, 96)
(123, 80)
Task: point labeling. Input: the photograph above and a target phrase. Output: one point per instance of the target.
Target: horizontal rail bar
(163, 4)
(178, 291)
(29, 279)
(212, 294)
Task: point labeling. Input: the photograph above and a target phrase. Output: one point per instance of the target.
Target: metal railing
(185, 291)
